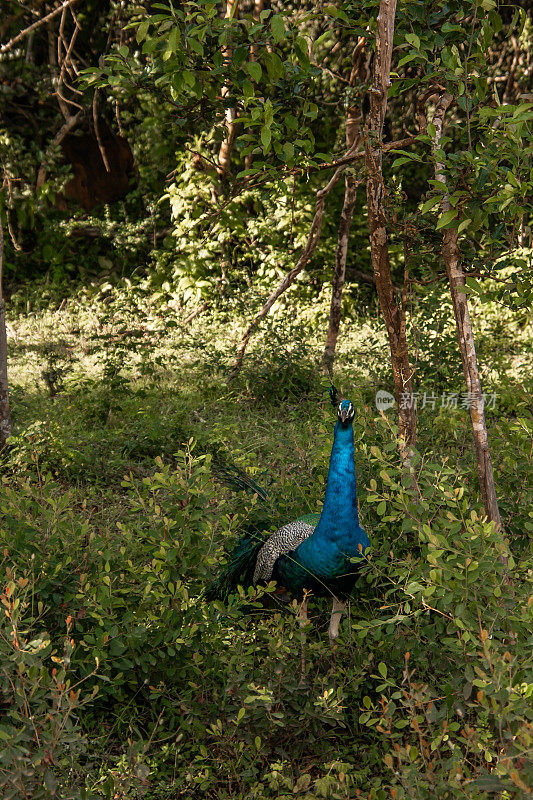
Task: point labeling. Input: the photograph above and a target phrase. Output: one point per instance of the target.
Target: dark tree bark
(5, 414)
(456, 278)
(353, 137)
(393, 315)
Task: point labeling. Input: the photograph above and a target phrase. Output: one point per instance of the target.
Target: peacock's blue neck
(339, 521)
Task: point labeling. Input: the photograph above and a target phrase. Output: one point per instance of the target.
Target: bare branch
(8, 45)
(353, 124)
(5, 414)
(68, 53)
(97, 132)
(195, 313)
(310, 247)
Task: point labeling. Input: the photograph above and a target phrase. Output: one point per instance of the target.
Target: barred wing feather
(283, 541)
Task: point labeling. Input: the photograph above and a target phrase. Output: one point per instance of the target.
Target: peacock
(314, 554)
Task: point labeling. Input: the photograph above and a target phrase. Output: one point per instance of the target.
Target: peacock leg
(302, 613)
(334, 622)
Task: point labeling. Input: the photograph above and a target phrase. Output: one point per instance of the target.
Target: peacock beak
(343, 414)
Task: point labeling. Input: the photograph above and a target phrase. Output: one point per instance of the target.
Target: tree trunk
(452, 260)
(393, 316)
(5, 414)
(456, 278)
(350, 192)
(353, 136)
(226, 148)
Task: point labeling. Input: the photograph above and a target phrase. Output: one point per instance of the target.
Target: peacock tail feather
(233, 476)
(239, 571)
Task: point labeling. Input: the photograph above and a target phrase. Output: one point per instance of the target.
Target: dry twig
(8, 45)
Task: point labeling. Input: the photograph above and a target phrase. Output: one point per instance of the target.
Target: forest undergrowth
(121, 682)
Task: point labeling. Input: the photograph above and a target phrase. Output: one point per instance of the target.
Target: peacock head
(345, 409)
(345, 413)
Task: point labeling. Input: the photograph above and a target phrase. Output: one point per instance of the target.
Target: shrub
(42, 742)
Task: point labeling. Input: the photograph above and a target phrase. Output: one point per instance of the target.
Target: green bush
(42, 741)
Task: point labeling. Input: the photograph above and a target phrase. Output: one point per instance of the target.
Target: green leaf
(413, 39)
(50, 781)
(382, 669)
(274, 65)
(266, 137)
(321, 38)
(254, 70)
(173, 39)
(447, 217)
(269, 113)
(521, 108)
(277, 26)
(406, 59)
(196, 46)
(300, 49)
(382, 507)
(288, 149)
(429, 204)
(474, 285)
(142, 30)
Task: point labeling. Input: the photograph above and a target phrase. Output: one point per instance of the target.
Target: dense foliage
(117, 680)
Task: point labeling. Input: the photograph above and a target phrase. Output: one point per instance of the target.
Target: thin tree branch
(97, 132)
(310, 246)
(195, 313)
(8, 45)
(353, 124)
(5, 414)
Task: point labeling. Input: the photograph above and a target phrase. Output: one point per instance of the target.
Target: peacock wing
(283, 541)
